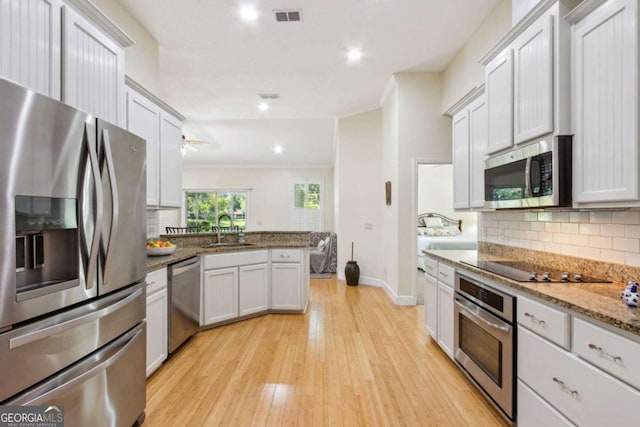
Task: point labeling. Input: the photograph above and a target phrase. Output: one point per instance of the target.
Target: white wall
(413, 128)
(464, 72)
(360, 193)
(142, 59)
(269, 201)
(435, 194)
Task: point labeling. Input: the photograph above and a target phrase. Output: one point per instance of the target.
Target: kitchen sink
(226, 245)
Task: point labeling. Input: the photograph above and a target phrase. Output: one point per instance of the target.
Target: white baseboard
(372, 281)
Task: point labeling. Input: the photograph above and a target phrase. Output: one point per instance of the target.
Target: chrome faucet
(219, 218)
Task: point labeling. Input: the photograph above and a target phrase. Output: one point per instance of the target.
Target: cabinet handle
(573, 393)
(443, 274)
(604, 353)
(534, 320)
(285, 256)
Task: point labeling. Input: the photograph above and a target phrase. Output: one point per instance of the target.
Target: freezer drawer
(37, 350)
(106, 388)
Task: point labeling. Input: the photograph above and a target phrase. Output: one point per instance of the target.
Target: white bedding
(447, 242)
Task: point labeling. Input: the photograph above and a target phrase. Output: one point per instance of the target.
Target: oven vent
(268, 96)
(291, 15)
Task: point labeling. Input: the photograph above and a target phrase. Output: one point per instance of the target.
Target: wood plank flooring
(354, 359)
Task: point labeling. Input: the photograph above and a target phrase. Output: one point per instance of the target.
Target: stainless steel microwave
(533, 176)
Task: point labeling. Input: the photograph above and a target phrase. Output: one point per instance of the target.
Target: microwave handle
(527, 178)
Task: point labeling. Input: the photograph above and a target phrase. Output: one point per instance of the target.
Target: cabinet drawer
(550, 323)
(534, 411)
(607, 350)
(431, 266)
(286, 255)
(583, 393)
(235, 259)
(156, 280)
(446, 274)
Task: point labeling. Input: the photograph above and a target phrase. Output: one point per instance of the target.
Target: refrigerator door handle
(39, 334)
(90, 272)
(124, 343)
(115, 208)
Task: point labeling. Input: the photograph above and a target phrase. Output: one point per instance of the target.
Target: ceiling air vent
(292, 15)
(268, 96)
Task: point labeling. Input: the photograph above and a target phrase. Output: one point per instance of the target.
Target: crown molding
(95, 15)
(143, 91)
(465, 100)
(198, 166)
(582, 10)
(360, 110)
(391, 84)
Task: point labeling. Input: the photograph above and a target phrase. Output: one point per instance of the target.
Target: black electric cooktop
(522, 271)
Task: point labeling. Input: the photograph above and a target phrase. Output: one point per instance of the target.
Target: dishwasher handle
(186, 265)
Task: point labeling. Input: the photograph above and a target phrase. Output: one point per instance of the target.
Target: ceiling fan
(189, 145)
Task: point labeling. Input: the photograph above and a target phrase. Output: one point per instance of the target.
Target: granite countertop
(600, 301)
(182, 253)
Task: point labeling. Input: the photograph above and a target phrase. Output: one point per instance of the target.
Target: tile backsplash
(610, 236)
(158, 220)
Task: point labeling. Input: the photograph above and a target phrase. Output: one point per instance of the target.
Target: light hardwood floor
(354, 359)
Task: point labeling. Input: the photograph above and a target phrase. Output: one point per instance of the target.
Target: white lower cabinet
(286, 279)
(157, 313)
(253, 289)
(220, 295)
(581, 392)
(445, 318)
(534, 411)
(431, 305)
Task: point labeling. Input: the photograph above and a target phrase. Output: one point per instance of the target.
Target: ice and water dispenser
(46, 245)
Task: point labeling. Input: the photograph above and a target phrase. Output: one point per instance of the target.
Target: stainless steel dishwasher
(184, 301)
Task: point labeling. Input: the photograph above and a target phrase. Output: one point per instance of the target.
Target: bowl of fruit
(156, 247)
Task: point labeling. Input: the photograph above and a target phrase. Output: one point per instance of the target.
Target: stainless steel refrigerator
(72, 261)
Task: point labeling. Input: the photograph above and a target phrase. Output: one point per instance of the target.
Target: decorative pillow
(321, 245)
(453, 229)
(434, 222)
(421, 222)
(327, 241)
(435, 231)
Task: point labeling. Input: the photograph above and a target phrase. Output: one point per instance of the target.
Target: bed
(436, 231)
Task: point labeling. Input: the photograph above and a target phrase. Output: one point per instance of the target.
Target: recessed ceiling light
(354, 55)
(278, 149)
(248, 13)
(263, 106)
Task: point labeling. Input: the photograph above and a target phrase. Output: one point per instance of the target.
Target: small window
(307, 212)
(216, 210)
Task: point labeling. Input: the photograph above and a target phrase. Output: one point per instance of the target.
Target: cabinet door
(499, 91)
(143, 119)
(30, 44)
(533, 81)
(460, 133)
(445, 318)
(286, 286)
(583, 393)
(220, 295)
(478, 139)
(605, 88)
(170, 161)
(93, 70)
(431, 305)
(254, 289)
(156, 330)
(534, 411)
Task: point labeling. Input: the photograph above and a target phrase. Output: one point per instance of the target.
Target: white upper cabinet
(533, 81)
(478, 138)
(170, 161)
(460, 134)
(469, 132)
(30, 38)
(93, 67)
(528, 79)
(605, 94)
(143, 119)
(499, 89)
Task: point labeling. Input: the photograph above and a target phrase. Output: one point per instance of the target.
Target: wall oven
(536, 175)
(484, 340)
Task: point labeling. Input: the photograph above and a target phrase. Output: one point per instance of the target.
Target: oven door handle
(474, 313)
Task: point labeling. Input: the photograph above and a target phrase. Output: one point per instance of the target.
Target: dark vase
(352, 273)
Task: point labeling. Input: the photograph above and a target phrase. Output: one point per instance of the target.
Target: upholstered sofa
(325, 259)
